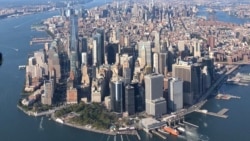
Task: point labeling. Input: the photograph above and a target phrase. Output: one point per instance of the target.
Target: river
(15, 34)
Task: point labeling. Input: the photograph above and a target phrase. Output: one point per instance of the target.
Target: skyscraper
(47, 96)
(116, 94)
(175, 101)
(156, 62)
(192, 80)
(130, 99)
(147, 46)
(155, 103)
(162, 62)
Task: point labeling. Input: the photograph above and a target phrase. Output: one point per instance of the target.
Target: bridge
(234, 63)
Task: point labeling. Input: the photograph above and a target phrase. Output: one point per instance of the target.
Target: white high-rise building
(156, 63)
(94, 54)
(84, 58)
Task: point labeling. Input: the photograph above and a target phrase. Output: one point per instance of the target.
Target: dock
(40, 40)
(223, 111)
(218, 114)
(196, 126)
(158, 134)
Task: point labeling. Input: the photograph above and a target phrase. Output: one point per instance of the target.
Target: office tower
(197, 80)
(96, 91)
(74, 34)
(130, 99)
(181, 45)
(156, 63)
(209, 62)
(40, 57)
(101, 37)
(175, 91)
(153, 86)
(183, 71)
(155, 103)
(206, 79)
(211, 42)
(47, 96)
(94, 53)
(84, 58)
(192, 80)
(54, 64)
(163, 61)
(139, 99)
(126, 72)
(85, 77)
(145, 45)
(97, 50)
(156, 41)
(74, 64)
(71, 96)
(142, 57)
(83, 44)
(116, 94)
(197, 49)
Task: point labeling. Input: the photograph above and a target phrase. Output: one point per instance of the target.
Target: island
(125, 66)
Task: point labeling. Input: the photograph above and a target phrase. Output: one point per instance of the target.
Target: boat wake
(41, 124)
(108, 138)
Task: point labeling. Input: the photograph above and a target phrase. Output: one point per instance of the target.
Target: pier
(218, 114)
(40, 40)
(158, 134)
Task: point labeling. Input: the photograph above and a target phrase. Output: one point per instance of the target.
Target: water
(15, 125)
(222, 16)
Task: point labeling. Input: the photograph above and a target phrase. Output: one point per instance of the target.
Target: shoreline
(83, 128)
(107, 132)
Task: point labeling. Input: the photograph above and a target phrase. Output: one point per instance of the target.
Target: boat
(171, 130)
(244, 77)
(21, 67)
(59, 120)
(181, 129)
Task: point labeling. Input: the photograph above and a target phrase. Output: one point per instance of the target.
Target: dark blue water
(15, 125)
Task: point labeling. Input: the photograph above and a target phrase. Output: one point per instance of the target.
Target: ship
(244, 77)
(171, 130)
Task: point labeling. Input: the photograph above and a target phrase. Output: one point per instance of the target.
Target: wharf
(218, 114)
(40, 40)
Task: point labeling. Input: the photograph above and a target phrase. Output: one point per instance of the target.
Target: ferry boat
(171, 130)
